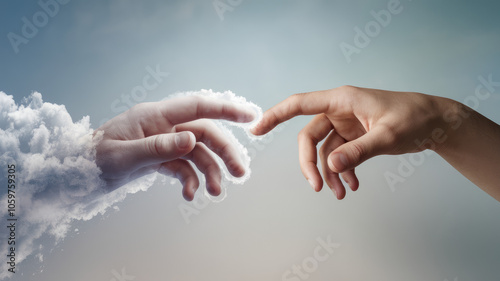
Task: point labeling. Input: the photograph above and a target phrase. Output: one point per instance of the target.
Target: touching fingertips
(260, 127)
(256, 130)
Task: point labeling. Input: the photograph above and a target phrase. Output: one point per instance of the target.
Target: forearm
(472, 146)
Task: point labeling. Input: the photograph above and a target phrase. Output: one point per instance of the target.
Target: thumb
(355, 152)
(159, 148)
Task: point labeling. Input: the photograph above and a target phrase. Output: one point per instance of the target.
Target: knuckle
(349, 92)
(226, 151)
(107, 157)
(295, 97)
(138, 107)
(213, 168)
(392, 137)
(273, 118)
(232, 165)
(195, 99)
(322, 150)
(302, 135)
(197, 103)
(348, 88)
(154, 146)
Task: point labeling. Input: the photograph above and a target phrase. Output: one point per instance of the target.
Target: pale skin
(359, 123)
(164, 136)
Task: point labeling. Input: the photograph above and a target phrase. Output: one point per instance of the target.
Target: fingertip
(354, 185)
(316, 186)
(188, 196)
(335, 193)
(217, 192)
(257, 129)
(311, 183)
(263, 126)
(214, 189)
(235, 168)
(339, 193)
(240, 172)
(337, 162)
(351, 179)
(213, 182)
(185, 141)
(249, 116)
(189, 189)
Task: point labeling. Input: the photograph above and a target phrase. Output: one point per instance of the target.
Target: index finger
(185, 109)
(297, 104)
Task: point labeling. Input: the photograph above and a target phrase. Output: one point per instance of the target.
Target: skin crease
(164, 136)
(360, 123)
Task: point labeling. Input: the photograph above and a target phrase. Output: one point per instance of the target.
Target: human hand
(358, 124)
(162, 136)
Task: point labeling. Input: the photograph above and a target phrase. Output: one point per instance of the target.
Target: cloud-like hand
(163, 136)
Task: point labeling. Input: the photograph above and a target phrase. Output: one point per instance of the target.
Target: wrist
(453, 115)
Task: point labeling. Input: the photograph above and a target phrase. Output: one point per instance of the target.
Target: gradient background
(435, 226)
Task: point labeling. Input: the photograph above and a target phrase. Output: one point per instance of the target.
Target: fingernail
(339, 161)
(335, 193)
(182, 140)
(311, 183)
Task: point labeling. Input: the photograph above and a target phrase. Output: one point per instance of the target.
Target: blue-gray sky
(91, 54)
